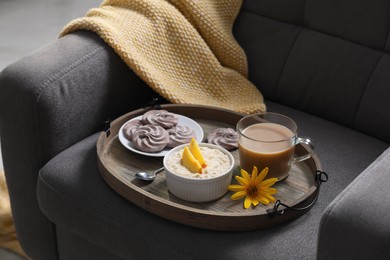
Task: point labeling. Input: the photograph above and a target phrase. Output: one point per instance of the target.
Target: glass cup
(269, 140)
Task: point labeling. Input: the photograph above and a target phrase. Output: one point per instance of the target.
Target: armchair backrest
(329, 58)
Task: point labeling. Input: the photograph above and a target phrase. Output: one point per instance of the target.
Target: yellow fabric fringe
(8, 239)
(183, 49)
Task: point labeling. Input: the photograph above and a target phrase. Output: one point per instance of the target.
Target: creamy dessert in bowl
(206, 181)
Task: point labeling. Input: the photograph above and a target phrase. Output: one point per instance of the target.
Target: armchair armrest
(49, 100)
(356, 224)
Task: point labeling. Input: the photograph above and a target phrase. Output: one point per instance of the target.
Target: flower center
(252, 191)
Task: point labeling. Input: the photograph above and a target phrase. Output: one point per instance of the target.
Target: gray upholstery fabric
(80, 248)
(74, 196)
(48, 104)
(328, 58)
(365, 232)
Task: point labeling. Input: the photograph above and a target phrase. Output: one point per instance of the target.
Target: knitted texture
(8, 238)
(183, 49)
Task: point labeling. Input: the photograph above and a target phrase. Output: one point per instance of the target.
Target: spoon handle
(159, 170)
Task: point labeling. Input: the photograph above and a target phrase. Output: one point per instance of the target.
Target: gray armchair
(323, 63)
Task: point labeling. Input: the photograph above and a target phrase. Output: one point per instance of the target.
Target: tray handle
(154, 104)
(320, 177)
(107, 126)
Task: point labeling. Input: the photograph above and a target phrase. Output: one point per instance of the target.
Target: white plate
(183, 120)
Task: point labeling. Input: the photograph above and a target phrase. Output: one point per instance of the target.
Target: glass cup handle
(307, 141)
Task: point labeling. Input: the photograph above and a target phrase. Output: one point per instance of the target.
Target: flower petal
(247, 202)
(263, 200)
(262, 175)
(254, 175)
(245, 175)
(236, 188)
(268, 182)
(238, 195)
(242, 181)
(271, 191)
(255, 202)
(271, 198)
(268, 196)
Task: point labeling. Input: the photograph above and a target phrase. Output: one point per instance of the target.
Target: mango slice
(195, 150)
(189, 161)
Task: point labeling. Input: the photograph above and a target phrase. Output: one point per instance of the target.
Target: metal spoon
(148, 176)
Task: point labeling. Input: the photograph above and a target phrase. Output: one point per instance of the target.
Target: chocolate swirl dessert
(130, 128)
(150, 138)
(162, 118)
(156, 130)
(180, 134)
(224, 137)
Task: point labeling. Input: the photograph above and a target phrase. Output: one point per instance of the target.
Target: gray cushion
(72, 194)
(360, 213)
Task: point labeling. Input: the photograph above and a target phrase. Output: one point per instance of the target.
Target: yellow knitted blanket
(8, 239)
(183, 49)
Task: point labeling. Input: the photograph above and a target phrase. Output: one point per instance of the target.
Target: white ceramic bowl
(194, 189)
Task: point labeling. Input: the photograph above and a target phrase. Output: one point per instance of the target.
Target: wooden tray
(119, 165)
